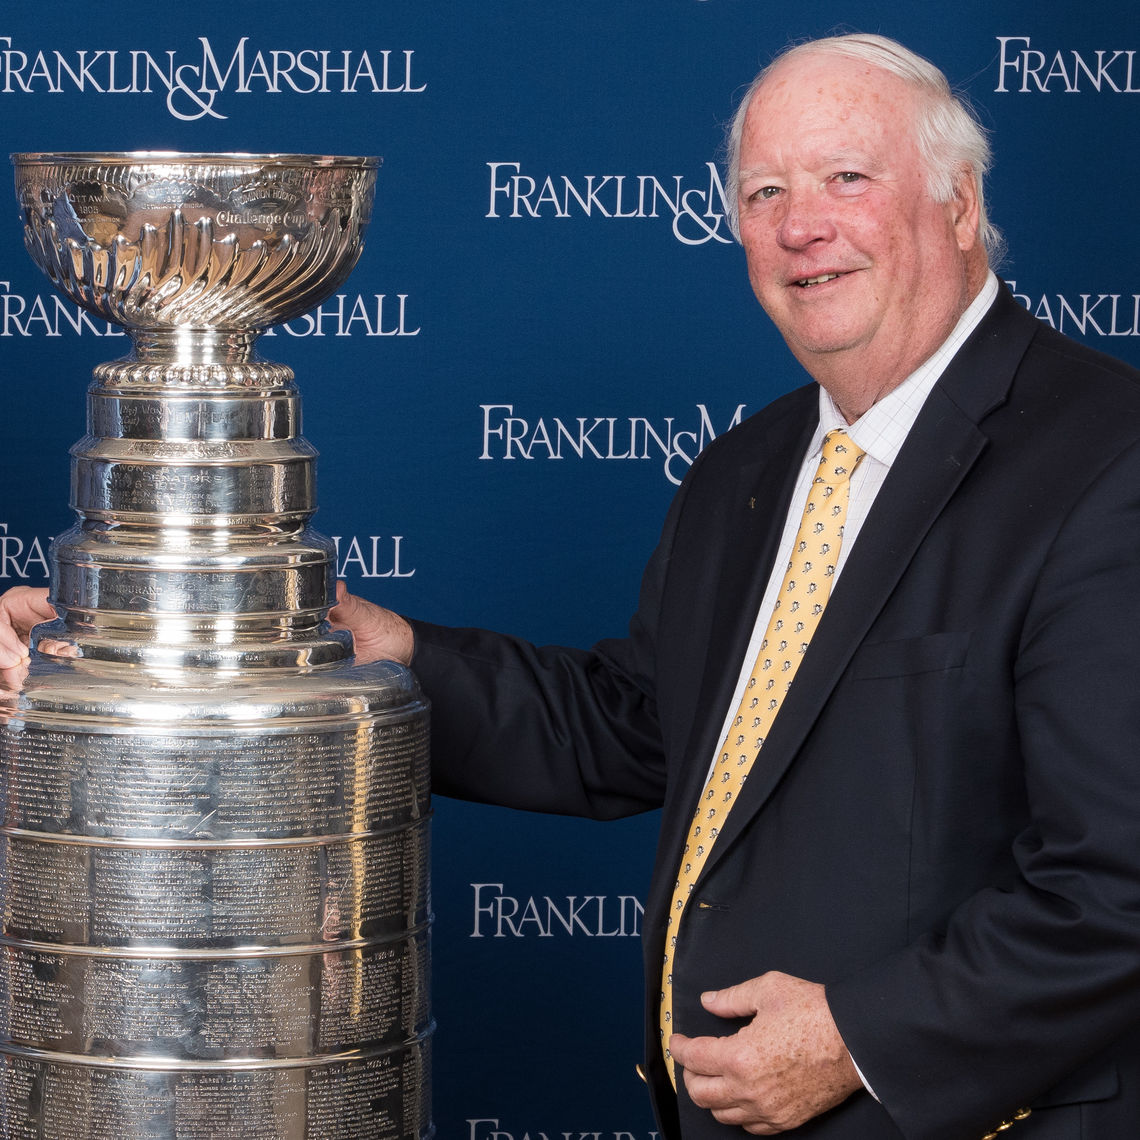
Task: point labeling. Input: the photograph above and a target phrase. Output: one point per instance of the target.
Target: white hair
(947, 132)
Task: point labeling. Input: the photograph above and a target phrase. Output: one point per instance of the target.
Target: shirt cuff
(861, 1077)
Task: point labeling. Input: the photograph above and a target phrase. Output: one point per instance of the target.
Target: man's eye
(764, 193)
(848, 177)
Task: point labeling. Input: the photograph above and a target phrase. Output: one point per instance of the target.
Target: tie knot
(840, 456)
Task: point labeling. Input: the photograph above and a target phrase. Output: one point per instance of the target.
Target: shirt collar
(882, 429)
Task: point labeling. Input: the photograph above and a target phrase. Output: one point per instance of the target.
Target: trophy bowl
(159, 240)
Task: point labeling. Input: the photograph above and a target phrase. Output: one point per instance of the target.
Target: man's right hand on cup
(378, 634)
(20, 608)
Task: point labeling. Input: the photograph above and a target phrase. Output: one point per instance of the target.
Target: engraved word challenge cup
(214, 839)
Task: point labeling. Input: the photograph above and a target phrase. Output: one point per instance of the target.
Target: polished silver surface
(178, 243)
(215, 834)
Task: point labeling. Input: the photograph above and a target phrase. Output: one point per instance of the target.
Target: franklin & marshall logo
(345, 315)
(1085, 314)
(696, 211)
(500, 915)
(1027, 70)
(194, 80)
(490, 1128)
(510, 436)
(376, 556)
(22, 559)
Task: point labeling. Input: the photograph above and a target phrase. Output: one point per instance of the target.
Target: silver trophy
(214, 831)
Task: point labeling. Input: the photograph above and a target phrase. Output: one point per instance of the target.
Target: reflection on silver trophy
(214, 842)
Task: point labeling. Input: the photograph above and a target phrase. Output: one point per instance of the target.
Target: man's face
(851, 258)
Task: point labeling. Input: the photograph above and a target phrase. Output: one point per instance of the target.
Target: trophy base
(381, 1098)
(216, 905)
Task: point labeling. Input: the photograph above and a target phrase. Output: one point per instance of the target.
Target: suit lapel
(939, 452)
(760, 500)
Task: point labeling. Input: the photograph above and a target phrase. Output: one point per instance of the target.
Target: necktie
(799, 607)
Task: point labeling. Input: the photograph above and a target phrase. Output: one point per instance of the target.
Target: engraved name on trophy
(214, 831)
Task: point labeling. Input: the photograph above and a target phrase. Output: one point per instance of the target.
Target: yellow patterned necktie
(799, 606)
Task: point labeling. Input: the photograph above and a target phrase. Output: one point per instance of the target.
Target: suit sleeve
(550, 729)
(1028, 981)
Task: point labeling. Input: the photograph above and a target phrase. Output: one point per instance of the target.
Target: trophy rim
(138, 158)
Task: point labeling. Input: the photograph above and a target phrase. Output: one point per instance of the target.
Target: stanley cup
(214, 831)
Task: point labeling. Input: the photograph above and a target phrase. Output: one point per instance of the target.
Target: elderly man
(881, 677)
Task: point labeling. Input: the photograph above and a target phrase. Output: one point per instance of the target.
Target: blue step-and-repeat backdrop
(548, 323)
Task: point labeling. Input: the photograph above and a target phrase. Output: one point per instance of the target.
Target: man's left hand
(785, 1066)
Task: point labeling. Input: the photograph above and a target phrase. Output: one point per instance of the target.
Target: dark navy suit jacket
(944, 824)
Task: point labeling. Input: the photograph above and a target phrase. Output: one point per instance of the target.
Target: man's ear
(965, 209)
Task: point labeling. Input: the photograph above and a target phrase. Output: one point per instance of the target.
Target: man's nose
(807, 217)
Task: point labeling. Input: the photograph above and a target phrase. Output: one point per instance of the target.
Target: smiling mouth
(808, 282)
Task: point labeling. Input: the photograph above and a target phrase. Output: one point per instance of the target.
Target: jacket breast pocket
(932, 653)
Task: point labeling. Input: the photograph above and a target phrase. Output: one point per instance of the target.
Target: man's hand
(379, 634)
(20, 608)
(785, 1066)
